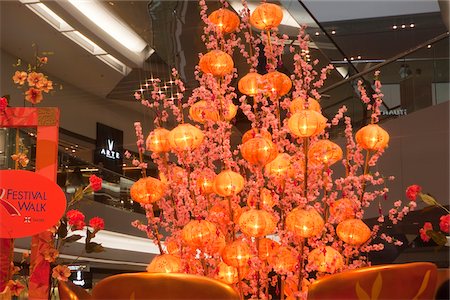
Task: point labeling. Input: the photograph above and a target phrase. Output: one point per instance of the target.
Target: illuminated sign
(109, 148)
(29, 203)
(110, 153)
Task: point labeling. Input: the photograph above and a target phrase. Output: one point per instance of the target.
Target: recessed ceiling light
(333, 32)
(403, 26)
(429, 46)
(412, 25)
(359, 56)
(317, 33)
(394, 27)
(351, 58)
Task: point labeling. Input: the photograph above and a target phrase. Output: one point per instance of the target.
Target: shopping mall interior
(105, 57)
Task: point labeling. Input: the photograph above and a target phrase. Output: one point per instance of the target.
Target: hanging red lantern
(248, 85)
(267, 248)
(343, 209)
(202, 112)
(353, 232)
(280, 167)
(304, 223)
(299, 104)
(225, 20)
(173, 248)
(227, 274)
(216, 63)
(265, 199)
(326, 259)
(237, 254)
(372, 137)
(283, 260)
(165, 263)
(228, 183)
(277, 83)
(147, 190)
(185, 137)
(257, 223)
(157, 141)
(254, 132)
(266, 16)
(205, 181)
(230, 112)
(259, 151)
(325, 152)
(307, 123)
(219, 214)
(199, 233)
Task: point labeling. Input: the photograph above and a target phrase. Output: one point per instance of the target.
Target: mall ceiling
(173, 28)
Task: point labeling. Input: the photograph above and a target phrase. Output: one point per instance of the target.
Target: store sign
(29, 203)
(109, 148)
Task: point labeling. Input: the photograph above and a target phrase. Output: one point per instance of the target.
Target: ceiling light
(114, 63)
(48, 16)
(333, 32)
(403, 26)
(394, 27)
(429, 46)
(116, 28)
(359, 57)
(412, 25)
(84, 42)
(352, 58)
(317, 33)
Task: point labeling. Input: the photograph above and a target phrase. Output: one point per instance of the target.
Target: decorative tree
(269, 210)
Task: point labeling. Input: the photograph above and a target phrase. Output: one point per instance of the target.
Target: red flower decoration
(423, 231)
(97, 223)
(412, 192)
(444, 223)
(61, 272)
(96, 183)
(15, 287)
(75, 219)
(3, 104)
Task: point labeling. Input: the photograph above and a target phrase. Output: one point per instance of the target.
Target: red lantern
(343, 209)
(185, 137)
(280, 167)
(230, 112)
(266, 16)
(267, 248)
(225, 20)
(299, 104)
(227, 274)
(248, 85)
(372, 137)
(259, 151)
(199, 233)
(228, 183)
(165, 263)
(307, 123)
(283, 260)
(353, 232)
(304, 223)
(326, 259)
(205, 181)
(219, 214)
(254, 132)
(257, 223)
(157, 141)
(237, 254)
(265, 199)
(147, 190)
(325, 152)
(217, 63)
(202, 112)
(276, 83)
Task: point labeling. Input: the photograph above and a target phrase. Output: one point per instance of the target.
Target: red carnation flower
(95, 182)
(3, 103)
(423, 231)
(444, 223)
(75, 219)
(97, 223)
(412, 192)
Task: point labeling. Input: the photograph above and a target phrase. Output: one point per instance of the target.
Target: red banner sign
(29, 203)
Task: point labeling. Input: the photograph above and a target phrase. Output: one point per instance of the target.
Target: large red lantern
(307, 123)
(259, 151)
(237, 254)
(157, 141)
(225, 20)
(248, 85)
(304, 223)
(326, 259)
(199, 233)
(266, 16)
(325, 152)
(299, 104)
(372, 137)
(147, 190)
(228, 183)
(353, 232)
(257, 223)
(216, 63)
(276, 83)
(185, 137)
(165, 263)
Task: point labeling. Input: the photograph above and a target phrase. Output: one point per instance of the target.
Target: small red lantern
(217, 63)
(280, 167)
(237, 254)
(304, 223)
(248, 85)
(276, 83)
(299, 104)
(147, 190)
(265, 199)
(165, 263)
(199, 233)
(225, 20)
(325, 152)
(343, 209)
(205, 181)
(307, 123)
(202, 112)
(326, 259)
(267, 248)
(283, 260)
(185, 137)
(353, 232)
(157, 141)
(254, 132)
(266, 16)
(228, 183)
(372, 137)
(259, 151)
(257, 223)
